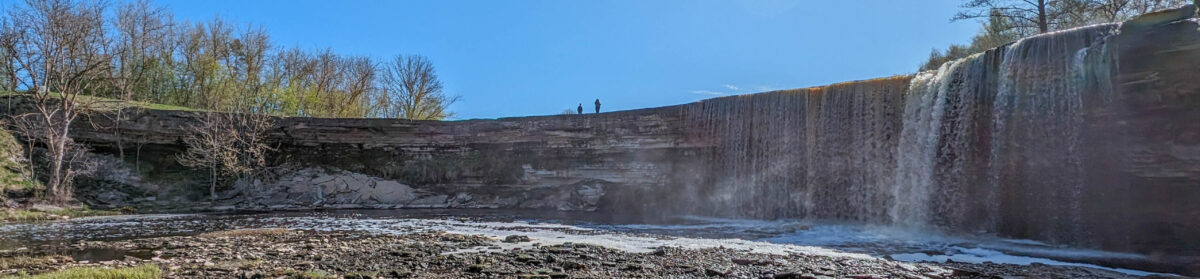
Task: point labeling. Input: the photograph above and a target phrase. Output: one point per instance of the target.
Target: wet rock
(526, 258)
(865, 276)
(750, 262)
(251, 275)
(516, 239)
(475, 268)
(397, 274)
(716, 272)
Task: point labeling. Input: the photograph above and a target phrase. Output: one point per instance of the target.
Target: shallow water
(787, 236)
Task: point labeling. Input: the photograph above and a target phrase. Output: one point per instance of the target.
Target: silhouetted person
(579, 109)
(597, 105)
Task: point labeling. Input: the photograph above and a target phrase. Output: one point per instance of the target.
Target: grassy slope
(137, 272)
(14, 176)
(101, 103)
(27, 215)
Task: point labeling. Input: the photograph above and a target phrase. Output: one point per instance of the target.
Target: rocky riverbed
(274, 253)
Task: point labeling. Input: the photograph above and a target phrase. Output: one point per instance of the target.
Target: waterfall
(996, 137)
(991, 142)
(1084, 137)
(819, 152)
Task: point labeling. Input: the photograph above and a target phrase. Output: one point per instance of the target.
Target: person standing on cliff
(579, 109)
(597, 105)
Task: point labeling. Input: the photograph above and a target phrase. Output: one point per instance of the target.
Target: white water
(1001, 133)
(997, 142)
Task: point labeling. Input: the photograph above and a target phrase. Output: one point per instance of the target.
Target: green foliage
(148, 271)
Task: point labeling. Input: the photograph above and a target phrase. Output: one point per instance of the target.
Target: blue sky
(536, 57)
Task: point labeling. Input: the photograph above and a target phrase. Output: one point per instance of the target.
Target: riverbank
(272, 253)
(46, 213)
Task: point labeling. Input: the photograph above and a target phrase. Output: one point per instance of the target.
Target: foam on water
(979, 255)
(553, 234)
(781, 237)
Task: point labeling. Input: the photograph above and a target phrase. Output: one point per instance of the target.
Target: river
(549, 228)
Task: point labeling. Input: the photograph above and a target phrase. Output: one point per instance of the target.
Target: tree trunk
(117, 131)
(137, 158)
(1043, 26)
(32, 170)
(212, 187)
(55, 180)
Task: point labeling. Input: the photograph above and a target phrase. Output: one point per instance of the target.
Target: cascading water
(993, 140)
(972, 146)
(819, 152)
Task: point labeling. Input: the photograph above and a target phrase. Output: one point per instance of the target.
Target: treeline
(1005, 21)
(64, 54)
(137, 51)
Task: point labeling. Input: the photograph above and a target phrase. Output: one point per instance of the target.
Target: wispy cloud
(709, 93)
(730, 89)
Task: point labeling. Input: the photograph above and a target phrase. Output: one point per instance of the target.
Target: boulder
(392, 192)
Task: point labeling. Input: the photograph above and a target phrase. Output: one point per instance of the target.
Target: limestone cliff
(555, 162)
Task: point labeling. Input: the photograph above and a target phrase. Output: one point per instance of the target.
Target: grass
(314, 274)
(13, 173)
(311, 274)
(245, 232)
(18, 215)
(23, 262)
(137, 272)
(102, 104)
(27, 215)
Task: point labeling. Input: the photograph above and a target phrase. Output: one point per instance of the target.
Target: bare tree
(245, 67)
(1039, 15)
(61, 51)
(994, 32)
(227, 144)
(1119, 10)
(141, 35)
(8, 62)
(412, 90)
(359, 83)
(26, 127)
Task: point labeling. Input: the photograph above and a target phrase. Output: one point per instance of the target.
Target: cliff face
(1150, 167)
(1085, 137)
(557, 162)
